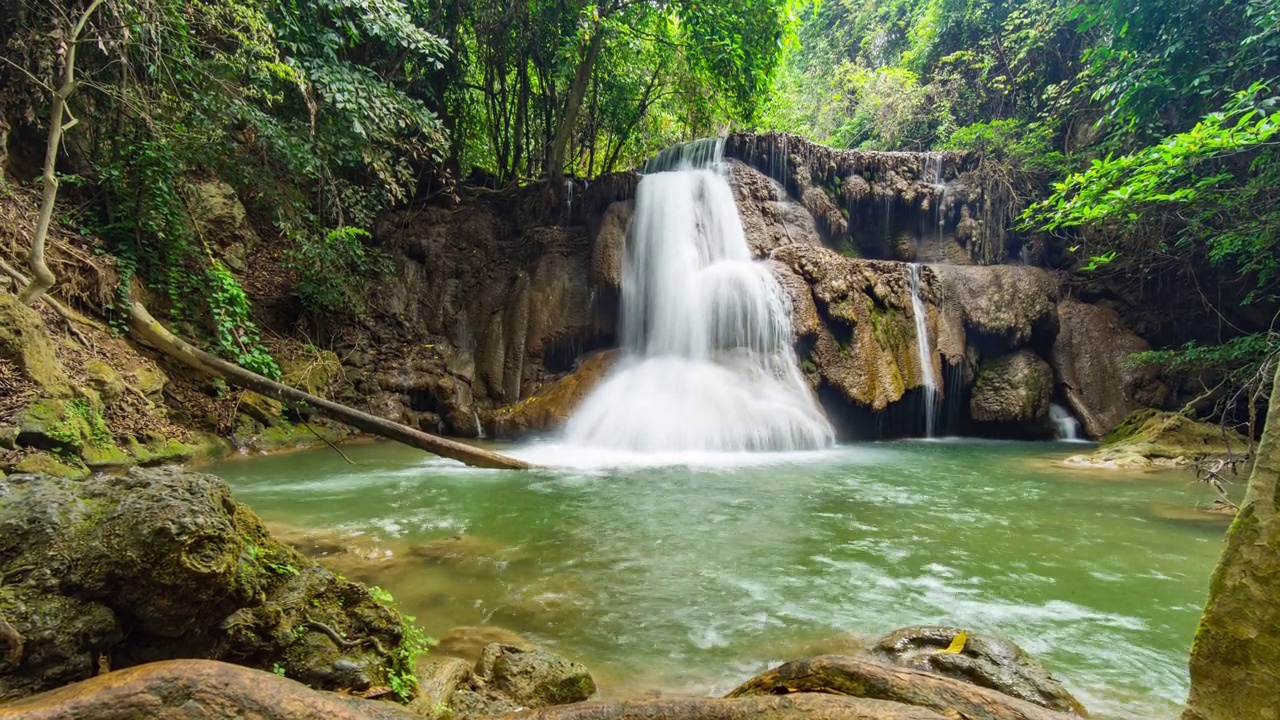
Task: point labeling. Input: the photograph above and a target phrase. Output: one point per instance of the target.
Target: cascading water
(1064, 423)
(706, 332)
(926, 353)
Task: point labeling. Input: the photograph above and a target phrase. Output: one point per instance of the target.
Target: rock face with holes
(111, 572)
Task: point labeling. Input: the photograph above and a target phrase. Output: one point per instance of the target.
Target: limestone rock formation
(486, 297)
(983, 660)
(854, 324)
(1152, 437)
(548, 408)
(1010, 305)
(1091, 360)
(162, 563)
(872, 203)
(1014, 388)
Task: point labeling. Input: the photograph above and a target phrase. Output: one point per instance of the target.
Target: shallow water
(694, 575)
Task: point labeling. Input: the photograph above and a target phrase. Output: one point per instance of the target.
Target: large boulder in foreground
(196, 690)
(1091, 359)
(983, 660)
(156, 564)
(1014, 388)
(1166, 439)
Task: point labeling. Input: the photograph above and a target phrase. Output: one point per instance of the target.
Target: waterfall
(706, 332)
(1064, 423)
(926, 353)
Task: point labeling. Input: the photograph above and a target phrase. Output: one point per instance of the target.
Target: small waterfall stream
(1064, 423)
(706, 332)
(926, 352)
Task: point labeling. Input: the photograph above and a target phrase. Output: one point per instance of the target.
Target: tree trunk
(42, 277)
(577, 91)
(150, 330)
(843, 675)
(1235, 660)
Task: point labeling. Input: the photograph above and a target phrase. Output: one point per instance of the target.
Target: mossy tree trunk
(1235, 661)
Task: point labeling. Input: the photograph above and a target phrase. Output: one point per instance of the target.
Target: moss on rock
(163, 563)
(1150, 437)
(25, 341)
(48, 464)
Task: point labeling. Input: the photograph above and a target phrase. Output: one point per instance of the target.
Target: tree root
(843, 675)
(343, 643)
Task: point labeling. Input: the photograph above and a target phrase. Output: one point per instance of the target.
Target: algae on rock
(162, 563)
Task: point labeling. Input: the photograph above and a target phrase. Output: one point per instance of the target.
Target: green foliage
(1245, 351)
(236, 335)
(1022, 146)
(332, 269)
(413, 643)
(1221, 176)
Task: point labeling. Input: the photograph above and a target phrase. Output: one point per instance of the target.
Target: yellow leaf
(957, 643)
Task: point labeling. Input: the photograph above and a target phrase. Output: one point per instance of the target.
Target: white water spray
(926, 353)
(706, 332)
(1064, 423)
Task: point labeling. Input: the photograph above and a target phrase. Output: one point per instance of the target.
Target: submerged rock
(469, 642)
(162, 563)
(986, 661)
(1014, 388)
(1155, 438)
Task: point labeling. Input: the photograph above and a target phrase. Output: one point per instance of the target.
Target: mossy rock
(1170, 435)
(70, 427)
(26, 342)
(261, 408)
(104, 380)
(161, 563)
(150, 381)
(288, 436)
(48, 464)
(312, 373)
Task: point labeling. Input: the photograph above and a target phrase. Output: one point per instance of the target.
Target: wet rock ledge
(155, 596)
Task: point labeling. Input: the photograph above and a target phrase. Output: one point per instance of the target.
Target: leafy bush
(334, 267)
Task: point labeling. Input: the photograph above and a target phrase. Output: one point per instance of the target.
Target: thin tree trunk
(577, 91)
(1235, 660)
(149, 329)
(42, 277)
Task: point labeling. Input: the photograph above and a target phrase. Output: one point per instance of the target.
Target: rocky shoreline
(153, 594)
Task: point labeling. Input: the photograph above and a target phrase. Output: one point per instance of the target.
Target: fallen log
(844, 675)
(151, 331)
(196, 690)
(804, 706)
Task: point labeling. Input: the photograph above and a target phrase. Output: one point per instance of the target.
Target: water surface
(695, 575)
